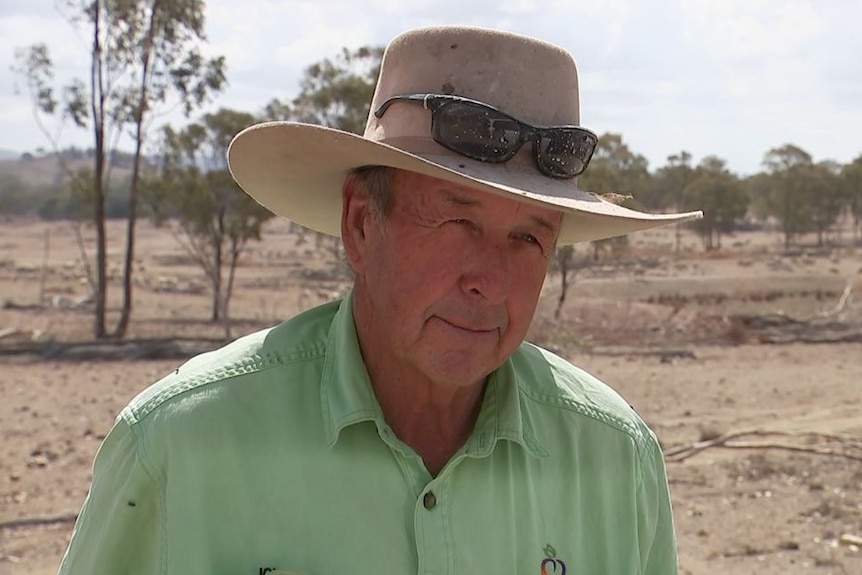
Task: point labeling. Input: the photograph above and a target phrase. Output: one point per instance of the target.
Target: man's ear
(355, 216)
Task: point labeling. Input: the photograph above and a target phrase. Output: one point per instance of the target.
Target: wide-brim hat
(297, 170)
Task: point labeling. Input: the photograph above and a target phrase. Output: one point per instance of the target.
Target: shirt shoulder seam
(248, 365)
(567, 402)
(575, 406)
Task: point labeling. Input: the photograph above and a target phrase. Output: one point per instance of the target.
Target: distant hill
(36, 170)
(33, 184)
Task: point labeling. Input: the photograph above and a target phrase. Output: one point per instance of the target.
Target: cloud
(13, 8)
(726, 77)
(785, 72)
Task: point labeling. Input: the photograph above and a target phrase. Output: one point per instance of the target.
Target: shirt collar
(348, 398)
(503, 416)
(346, 393)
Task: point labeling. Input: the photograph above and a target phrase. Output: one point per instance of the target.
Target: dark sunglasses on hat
(481, 132)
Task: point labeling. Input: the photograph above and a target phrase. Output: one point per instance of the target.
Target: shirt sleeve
(121, 526)
(655, 522)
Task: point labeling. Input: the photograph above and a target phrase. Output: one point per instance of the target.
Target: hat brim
(297, 171)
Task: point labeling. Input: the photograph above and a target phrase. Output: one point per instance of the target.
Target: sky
(726, 78)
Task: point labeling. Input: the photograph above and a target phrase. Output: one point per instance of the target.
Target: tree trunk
(128, 266)
(235, 249)
(97, 103)
(565, 258)
(786, 226)
(564, 288)
(216, 281)
(218, 263)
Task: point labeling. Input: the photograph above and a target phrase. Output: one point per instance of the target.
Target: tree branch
(36, 521)
(836, 445)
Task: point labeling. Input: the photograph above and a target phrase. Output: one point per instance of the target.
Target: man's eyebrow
(544, 223)
(459, 200)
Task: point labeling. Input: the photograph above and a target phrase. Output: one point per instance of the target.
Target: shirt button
(429, 500)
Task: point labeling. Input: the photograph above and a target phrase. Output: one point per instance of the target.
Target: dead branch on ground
(827, 444)
(119, 350)
(780, 328)
(37, 521)
(842, 301)
(830, 326)
(664, 354)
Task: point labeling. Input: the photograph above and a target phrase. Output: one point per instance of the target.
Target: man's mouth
(477, 330)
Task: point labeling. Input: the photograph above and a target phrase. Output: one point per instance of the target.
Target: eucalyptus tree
(619, 174)
(614, 172)
(852, 175)
(335, 92)
(665, 191)
(823, 186)
(668, 182)
(803, 196)
(722, 197)
(195, 192)
(615, 168)
(144, 57)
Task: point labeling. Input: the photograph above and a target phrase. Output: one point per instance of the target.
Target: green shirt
(272, 455)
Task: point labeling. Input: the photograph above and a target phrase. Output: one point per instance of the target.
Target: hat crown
(298, 170)
(532, 80)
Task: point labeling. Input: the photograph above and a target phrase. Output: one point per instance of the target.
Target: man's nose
(487, 271)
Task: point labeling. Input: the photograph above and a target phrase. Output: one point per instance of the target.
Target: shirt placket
(432, 526)
(432, 512)
(432, 518)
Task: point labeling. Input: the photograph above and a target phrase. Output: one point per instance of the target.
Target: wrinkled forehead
(419, 191)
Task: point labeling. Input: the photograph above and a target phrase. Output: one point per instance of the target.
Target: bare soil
(677, 332)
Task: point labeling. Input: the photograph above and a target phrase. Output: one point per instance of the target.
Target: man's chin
(455, 370)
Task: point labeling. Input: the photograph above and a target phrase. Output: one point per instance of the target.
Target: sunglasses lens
(564, 153)
(477, 132)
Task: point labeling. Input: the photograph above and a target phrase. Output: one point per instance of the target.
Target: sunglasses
(481, 132)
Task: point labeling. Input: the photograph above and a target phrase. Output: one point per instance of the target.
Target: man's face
(448, 284)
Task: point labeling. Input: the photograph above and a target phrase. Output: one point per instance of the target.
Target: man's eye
(462, 222)
(529, 238)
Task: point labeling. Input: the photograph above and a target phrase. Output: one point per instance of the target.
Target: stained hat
(297, 170)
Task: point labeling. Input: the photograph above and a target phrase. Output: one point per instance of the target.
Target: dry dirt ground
(666, 328)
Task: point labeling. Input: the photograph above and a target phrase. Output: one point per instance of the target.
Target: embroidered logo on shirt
(550, 564)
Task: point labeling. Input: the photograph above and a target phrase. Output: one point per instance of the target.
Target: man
(406, 428)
